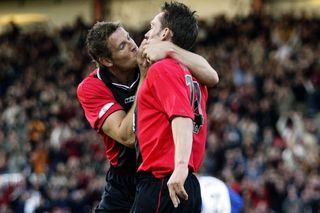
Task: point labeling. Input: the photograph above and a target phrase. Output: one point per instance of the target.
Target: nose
(133, 46)
(146, 36)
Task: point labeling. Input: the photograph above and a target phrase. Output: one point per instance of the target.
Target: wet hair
(182, 22)
(97, 37)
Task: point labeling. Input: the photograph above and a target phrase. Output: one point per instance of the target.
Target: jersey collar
(104, 75)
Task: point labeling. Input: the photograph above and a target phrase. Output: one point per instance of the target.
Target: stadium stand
(264, 121)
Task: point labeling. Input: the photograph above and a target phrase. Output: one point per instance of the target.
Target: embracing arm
(119, 125)
(198, 66)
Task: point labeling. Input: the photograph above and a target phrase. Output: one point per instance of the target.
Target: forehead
(117, 37)
(157, 19)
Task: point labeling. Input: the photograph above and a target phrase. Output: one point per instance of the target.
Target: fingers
(147, 63)
(181, 192)
(148, 60)
(173, 196)
(144, 42)
(142, 47)
(143, 60)
(177, 191)
(143, 52)
(147, 53)
(147, 57)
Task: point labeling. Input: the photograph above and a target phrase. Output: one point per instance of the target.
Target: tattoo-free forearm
(119, 125)
(182, 130)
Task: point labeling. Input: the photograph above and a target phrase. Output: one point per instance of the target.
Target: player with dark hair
(107, 97)
(171, 122)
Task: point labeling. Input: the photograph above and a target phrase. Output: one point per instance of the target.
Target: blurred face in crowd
(123, 50)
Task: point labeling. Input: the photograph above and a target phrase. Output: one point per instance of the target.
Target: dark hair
(182, 22)
(96, 41)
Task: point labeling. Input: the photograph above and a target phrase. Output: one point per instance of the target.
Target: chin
(132, 66)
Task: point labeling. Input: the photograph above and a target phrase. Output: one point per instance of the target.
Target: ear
(106, 62)
(166, 34)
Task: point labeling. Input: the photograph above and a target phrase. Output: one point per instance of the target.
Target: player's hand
(156, 50)
(142, 61)
(176, 185)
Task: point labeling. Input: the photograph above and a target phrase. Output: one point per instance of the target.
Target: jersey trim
(104, 109)
(122, 86)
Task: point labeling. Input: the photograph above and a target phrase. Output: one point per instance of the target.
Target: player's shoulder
(166, 62)
(167, 66)
(90, 84)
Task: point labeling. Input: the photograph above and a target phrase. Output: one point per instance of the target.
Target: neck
(122, 77)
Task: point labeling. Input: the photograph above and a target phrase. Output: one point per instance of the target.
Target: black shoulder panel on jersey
(125, 97)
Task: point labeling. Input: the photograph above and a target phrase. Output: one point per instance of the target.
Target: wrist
(171, 51)
(181, 164)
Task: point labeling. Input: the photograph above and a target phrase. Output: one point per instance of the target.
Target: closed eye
(122, 45)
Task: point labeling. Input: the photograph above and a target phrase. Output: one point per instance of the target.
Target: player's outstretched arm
(199, 66)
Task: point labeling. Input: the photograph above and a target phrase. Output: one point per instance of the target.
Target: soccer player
(171, 122)
(107, 96)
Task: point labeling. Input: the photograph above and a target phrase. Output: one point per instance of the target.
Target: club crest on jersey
(129, 99)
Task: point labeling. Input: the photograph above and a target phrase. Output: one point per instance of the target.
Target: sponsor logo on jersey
(129, 99)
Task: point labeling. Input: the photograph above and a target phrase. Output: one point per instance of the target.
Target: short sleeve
(97, 102)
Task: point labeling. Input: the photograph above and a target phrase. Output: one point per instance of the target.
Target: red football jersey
(168, 91)
(98, 102)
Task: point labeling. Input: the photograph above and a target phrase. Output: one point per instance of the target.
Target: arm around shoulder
(198, 65)
(119, 125)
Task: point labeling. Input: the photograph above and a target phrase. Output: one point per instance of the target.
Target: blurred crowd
(264, 115)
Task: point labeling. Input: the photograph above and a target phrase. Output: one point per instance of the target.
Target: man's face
(123, 49)
(155, 28)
